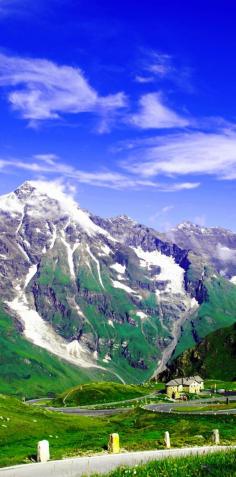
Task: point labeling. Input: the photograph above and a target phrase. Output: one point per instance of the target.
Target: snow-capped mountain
(105, 294)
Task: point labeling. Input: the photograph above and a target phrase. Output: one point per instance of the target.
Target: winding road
(167, 407)
(172, 406)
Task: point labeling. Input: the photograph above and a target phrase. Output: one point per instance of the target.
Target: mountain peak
(123, 218)
(25, 190)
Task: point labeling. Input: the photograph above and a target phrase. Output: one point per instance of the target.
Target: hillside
(99, 393)
(30, 371)
(214, 357)
(216, 311)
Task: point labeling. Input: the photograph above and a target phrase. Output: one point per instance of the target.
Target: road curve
(171, 406)
(167, 407)
(101, 464)
(89, 412)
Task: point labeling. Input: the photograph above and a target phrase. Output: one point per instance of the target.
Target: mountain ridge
(105, 294)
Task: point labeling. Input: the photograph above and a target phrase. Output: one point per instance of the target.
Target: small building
(191, 384)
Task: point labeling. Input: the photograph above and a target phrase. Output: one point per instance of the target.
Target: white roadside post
(43, 454)
(216, 436)
(167, 439)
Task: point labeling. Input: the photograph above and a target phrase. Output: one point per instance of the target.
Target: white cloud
(185, 154)
(50, 165)
(226, 254)
(144, 79)
(159, 64)
(40, 89)
(160, 213)
(48, 158)
(154, 114)
(167, 208)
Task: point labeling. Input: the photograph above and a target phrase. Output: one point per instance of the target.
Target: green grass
(219, 384)
(210, 407)
(218, 311)
(22, 426)
(99, 393)
(221, 464)
(214, 357)
(30, 371)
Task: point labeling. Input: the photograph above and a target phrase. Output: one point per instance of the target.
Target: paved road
(160, 407)
(101, 464)
(170, 407)
(34, 401)
(102, 405)
(89, 412)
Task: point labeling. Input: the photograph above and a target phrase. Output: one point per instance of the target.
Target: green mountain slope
(214, 357)
(218, 310)
(30, 371)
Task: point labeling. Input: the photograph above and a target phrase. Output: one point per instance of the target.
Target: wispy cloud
(160, 213)
(185, 153)
(156, 66)
(159, 64)
(144, 79)
(42, 90)
(51, 166)
(154, 114)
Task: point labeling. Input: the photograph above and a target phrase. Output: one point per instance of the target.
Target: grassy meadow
(23, 425)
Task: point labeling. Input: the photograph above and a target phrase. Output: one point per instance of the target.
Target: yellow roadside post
(114, 444)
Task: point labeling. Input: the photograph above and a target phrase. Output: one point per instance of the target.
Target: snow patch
(124, 287)
(105, 250)
(170, 270)
(75, 349)
(40, 333)
(54, 236)
(233, 280)
(23, 252)
(32, 271)
(118, 268)
(110, 322)
(70, 252)
(194, 303)
(20, 224)
(141, 315)
(79, 311)
(98, 265)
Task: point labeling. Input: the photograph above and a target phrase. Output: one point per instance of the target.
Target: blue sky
(130, 106)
